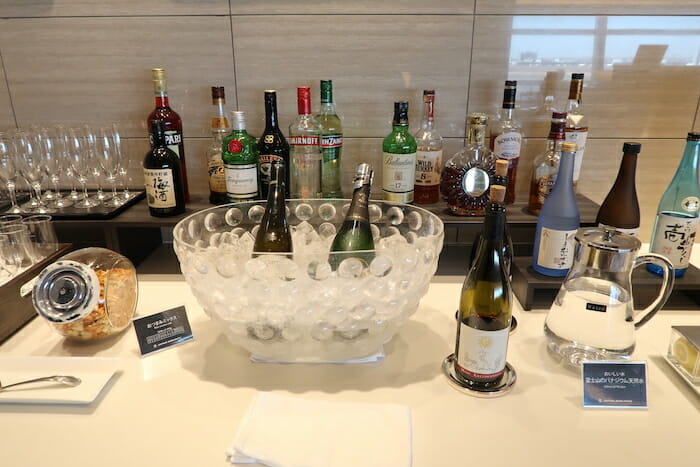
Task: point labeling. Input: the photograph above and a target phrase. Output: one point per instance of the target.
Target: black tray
(535, 290)
(96, 213)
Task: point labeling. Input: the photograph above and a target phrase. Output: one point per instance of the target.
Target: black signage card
(615, 384)
(162, 330)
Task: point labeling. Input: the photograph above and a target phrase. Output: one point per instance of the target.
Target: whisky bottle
(428, 155)
(331, 143)
(576, 125)
(172, 124)
(240, 156)
(558, 221)
(215, 165)
(485, 306)
(305, 149)
(399, 159)
(272, 145)
(677, 215)
(162, 173)
(356, 234)
(274, 235)
(506, 137)
(546, 164)
(620, 209)
(466, 177)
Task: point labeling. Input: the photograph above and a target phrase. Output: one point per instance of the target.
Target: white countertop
(181, 407)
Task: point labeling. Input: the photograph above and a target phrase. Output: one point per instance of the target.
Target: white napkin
(376, 357)
(283, 431)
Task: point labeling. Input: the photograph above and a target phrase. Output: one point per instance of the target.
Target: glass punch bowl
(298, 307)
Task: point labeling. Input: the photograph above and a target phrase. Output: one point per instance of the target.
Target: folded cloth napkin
(283, 431)
(376, 357)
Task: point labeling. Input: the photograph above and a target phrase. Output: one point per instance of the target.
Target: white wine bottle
(485, 306)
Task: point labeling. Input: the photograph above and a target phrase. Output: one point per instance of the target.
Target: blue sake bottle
(677, 216)
(558, 221)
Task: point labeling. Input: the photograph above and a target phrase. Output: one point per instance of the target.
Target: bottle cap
(478, 118)
(270, 90)
(217, 92)
(400, 113)
(576, 75)
(158, 74)
(363, 175)
(569, 147)
(511, 83)
(238, 119)
(326, 91)
(631, 148)
(497, 194)
(694, 136)
(304, 100)
(429, 92)
(501, 167)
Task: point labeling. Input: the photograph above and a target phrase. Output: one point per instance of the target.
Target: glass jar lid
(66, 291)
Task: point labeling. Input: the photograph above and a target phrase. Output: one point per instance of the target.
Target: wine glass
(109, 158)
(31, 167)
(8, 170)
(91, 139)
(81, 162)
(53, 148)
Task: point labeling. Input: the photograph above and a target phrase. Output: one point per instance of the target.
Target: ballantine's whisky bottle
(399, 161)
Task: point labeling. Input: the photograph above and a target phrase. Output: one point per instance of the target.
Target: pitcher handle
(666, 285)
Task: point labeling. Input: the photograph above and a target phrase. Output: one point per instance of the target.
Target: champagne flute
(91, 138)
(8, 170)
(109, 158)
(56, 161)
(81, 161)
(30, 164)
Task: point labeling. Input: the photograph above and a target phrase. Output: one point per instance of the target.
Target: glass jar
(88, 294)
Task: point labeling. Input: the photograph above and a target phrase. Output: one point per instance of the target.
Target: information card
(615, 384)
(162, 330)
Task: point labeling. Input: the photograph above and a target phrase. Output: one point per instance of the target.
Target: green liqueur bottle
(356, 233)
(485, 306)
(240, 156)
(398, 174)
(274, 235)
(331, 143)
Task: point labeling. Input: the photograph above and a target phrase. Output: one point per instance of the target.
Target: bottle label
(311, 140)
(173, 139)
(579, 137)
(507, 145)
(674, 238)
(160, 188)
(634, 232)
(544, 187)
(428, 167)
(690, 204)
(556, 248)
(241, 180)
(482, 354)
(217, 178)
(264, 165)
(331, 146)
(360, 208)
(398, 177)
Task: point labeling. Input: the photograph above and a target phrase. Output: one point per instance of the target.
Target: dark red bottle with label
(172, 124)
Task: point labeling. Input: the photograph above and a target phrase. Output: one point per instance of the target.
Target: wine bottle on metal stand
(485, 306)
(677, 216)
(501, 179)
(172, 124)
(558, 221)
(162, 173)
(274, 235)
(620, 209)
(272, 145)
(356, 233)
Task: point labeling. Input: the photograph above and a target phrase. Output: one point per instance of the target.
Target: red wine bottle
(172, 124)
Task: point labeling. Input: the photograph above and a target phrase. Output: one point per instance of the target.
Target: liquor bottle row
(412, 164)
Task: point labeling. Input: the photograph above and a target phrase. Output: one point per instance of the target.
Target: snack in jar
(88, 294)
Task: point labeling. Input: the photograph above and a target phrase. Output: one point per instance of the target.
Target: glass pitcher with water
(592, 317)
